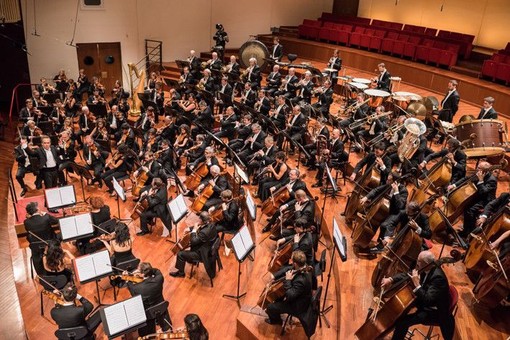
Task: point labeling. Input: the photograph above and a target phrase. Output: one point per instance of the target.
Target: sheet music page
(67, 195)
(337, 235)
(102, 262)
(181, 204)
(53, 198)
(135, 311)
(84, 224)
(238, 244)
(246, 237)
(85, 267)
(116, 318)
(68, 227)
(118, 189)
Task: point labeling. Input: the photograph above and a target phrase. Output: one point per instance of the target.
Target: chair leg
(218, 260)
(287, 320)
(32, 267)
(42, 306)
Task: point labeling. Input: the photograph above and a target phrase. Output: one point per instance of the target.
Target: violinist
(37, 100)
(263, 157)
(151, 290)
(117, 167)
(100, 213)
(230, 213)
(298, 291)
(58, 261)
(70, 104)
(100, 131)
(95, 159)
(183, 140)
(96, 86)
(398, 199)
(83, 84)
(152, 142)
(157, 198)
(119, 244)
(114, 120)
(70, 315)
(58, 115)
(455, 155)
(86, 121)
(168, 130)
(30, 129)
(334, 157)
(126, 136)
(44, 87)
(27, 112)
(195, 328)
(278, 173)
(324, 99)
(39, 228)
(305, 88)
(302, 240)
(486, 185)
(146, 121)
(24, 164)
(218, 182)
(432, 297)
(96, 98)
(202, 238)
(150, 167)
(273, 81)
(377, 159)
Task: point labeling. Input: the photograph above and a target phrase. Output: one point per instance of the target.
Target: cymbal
(417, 110)
(431, 103)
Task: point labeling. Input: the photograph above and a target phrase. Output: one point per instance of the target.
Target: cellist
(150, 167)
(432, 297)
(302, 240)
(491, 208)
(218, 182)
(157, 198)
(376, 158)
(454, 155)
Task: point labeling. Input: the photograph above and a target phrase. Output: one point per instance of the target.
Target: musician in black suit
(289, 85)
(203, 236)
(262, 104)
(374, 129)
(244, 129)
(384, 78)
(262, 157)
(486, 185)
(150, 167)
(304, 208)
(432, 293)
(335, 63)
(224, 95)
(359, 111)
(273, 81)
(28, 111)
(296, 127)
(207, 81)
(70, 315)
(24, 164)
(49, 161)
(233, 69)
(85, 123)
(276, 50)
(230, 213)
(302, 240)
(279, 114)
(305, 88)
(450, 102)
(146, 121)
(336, 154)
(228, 124)
(95, 159)
(298, 291)
(157, 199)
(204, 118)
(195, 66)
(487, 111)
(249, 96)
(376, 158)
(455, 155)
(325, 99)
(253, 143)
(38, 226)
(218, 182)
(493, 207)
(215, 63)
(151, 290)
(253, 76)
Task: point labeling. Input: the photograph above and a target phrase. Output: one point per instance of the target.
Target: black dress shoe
(23, 192)
(271, 322)
(177, 274)
(141, 233)
(136, 199)
(317, 185)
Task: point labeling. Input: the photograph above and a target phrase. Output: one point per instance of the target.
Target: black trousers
(470, 216)
(20, 175)
(108, 177)
(424, 317)
(276, 309)
(50, 177)
(163, 321)
(185, 256)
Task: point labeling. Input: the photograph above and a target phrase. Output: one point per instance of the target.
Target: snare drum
(482, 132)
(376, 97)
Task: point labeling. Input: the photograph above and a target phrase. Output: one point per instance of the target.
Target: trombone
(368, 120)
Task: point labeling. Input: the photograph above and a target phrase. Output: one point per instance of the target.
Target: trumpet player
(374, 127)
(305, 88)
(325, 99)
(273, 81)
(289, 85)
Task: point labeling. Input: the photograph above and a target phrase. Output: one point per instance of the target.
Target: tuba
(411, 141)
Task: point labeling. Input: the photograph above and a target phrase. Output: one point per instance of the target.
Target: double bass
(276, 200)
(493, 286)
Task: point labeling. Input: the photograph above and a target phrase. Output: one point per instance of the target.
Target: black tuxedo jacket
(496, 204)
(251, 98)
(383, 83)
(236, 69)
(486, 190)
(298, 293)
(305, 91)
(20, 156)
(72, 316)
(103, 155)
(452, 103)
(41, 154)
(40, 226)
(229, 124)
(277, 52)
(151, 289)
(269, 158)
(403, 219)
(231, 216)
(491, 114)
(158, 203)
(201, 243)
(335, 63)
(307, 212)
(254, 77)
(397, 201)
(299, 125)
(459, 170)
(305, 245)
(274, 80)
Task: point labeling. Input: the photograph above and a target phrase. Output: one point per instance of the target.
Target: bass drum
(256, 49)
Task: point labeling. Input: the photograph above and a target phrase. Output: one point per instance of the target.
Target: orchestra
(267, 125)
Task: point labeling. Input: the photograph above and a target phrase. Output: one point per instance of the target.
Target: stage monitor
(60, 197)
(178, 208)
(242, 243)
(93, 266)
(123, 317)
(119, 190)
(340, 241)
(252, 207)
(76, 227)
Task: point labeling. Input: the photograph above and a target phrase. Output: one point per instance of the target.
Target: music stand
(334, 189)
(119, 190)
(123, 317)
(171, 83)
(84, 173)
(178, 211)
(60, 197)
(242, 177)
(243, 245)
(99, 110)
(252, 207)
(76, 227)
(340, 243)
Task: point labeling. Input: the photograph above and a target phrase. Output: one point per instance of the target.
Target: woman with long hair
(57, 260)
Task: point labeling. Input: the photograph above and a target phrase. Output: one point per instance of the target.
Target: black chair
(128, 265)
(74, 333)
(156, 311)
(320, 266)
(310, 317)
(36, 248)
(57, 281)
(215, 253)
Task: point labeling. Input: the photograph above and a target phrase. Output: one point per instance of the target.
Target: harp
(136, 83)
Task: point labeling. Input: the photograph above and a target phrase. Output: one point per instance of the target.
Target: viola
(176, 334)
(129, 278)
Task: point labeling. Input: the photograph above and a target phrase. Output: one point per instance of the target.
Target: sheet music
(59, 197)
(242, 243)
(84, 224)
(178, 208)
(67, 195)
(85, 267)
(68, 227)
(135, 311)
(338, 237)
(102, 262)
(118, 189)
(116, 318)
(238, 245)
(252, 208)
(53, 198)
(246, 237)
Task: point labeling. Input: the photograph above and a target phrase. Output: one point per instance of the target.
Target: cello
(391, 305)
(277, 199)
(202, 198)
(193, 181)
(493, 286)
(139, 183)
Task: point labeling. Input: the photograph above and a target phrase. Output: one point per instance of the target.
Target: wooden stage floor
(350, 292)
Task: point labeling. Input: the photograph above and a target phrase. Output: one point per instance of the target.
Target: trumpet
(320, 89)
(368, 120)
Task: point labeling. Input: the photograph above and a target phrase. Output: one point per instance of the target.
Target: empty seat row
(497, 68)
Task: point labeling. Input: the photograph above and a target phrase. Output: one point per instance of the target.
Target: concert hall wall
(486, 19)
(181, 25)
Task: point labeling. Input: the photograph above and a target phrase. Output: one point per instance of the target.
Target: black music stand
(243, 246)
(235, 157)
(51, 97)
(84, 174)
(174, 84)
(122, 195)
(332, 192)
(99, 110)
(340, 243)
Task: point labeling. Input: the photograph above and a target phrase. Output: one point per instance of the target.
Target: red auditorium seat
(341, 37)
(503, 73)
(431, 32)
(365, 38)
(489, 69)
(355, 38)
(433, 56)
(498, 58)
(387, 44)
(410, 46)
(423, 50)
(398, 46)
(327, 31)
(376, 40)
(447, 58)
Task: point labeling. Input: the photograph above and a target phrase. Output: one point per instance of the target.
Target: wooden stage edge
(472, 90)
(12, 325)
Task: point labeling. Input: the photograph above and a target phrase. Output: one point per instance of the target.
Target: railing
(153, 54)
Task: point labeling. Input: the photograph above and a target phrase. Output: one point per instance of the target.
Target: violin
(129, 277)
(175, 334)
(57, 298)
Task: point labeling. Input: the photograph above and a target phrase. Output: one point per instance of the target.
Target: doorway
(102, 60)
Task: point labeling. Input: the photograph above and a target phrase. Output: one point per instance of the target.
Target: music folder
(60, 197)
(178, 208)
(76, 227)
(93, 266)
(242, 243)
(252, 207)
(340, 241)
(123, 317)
